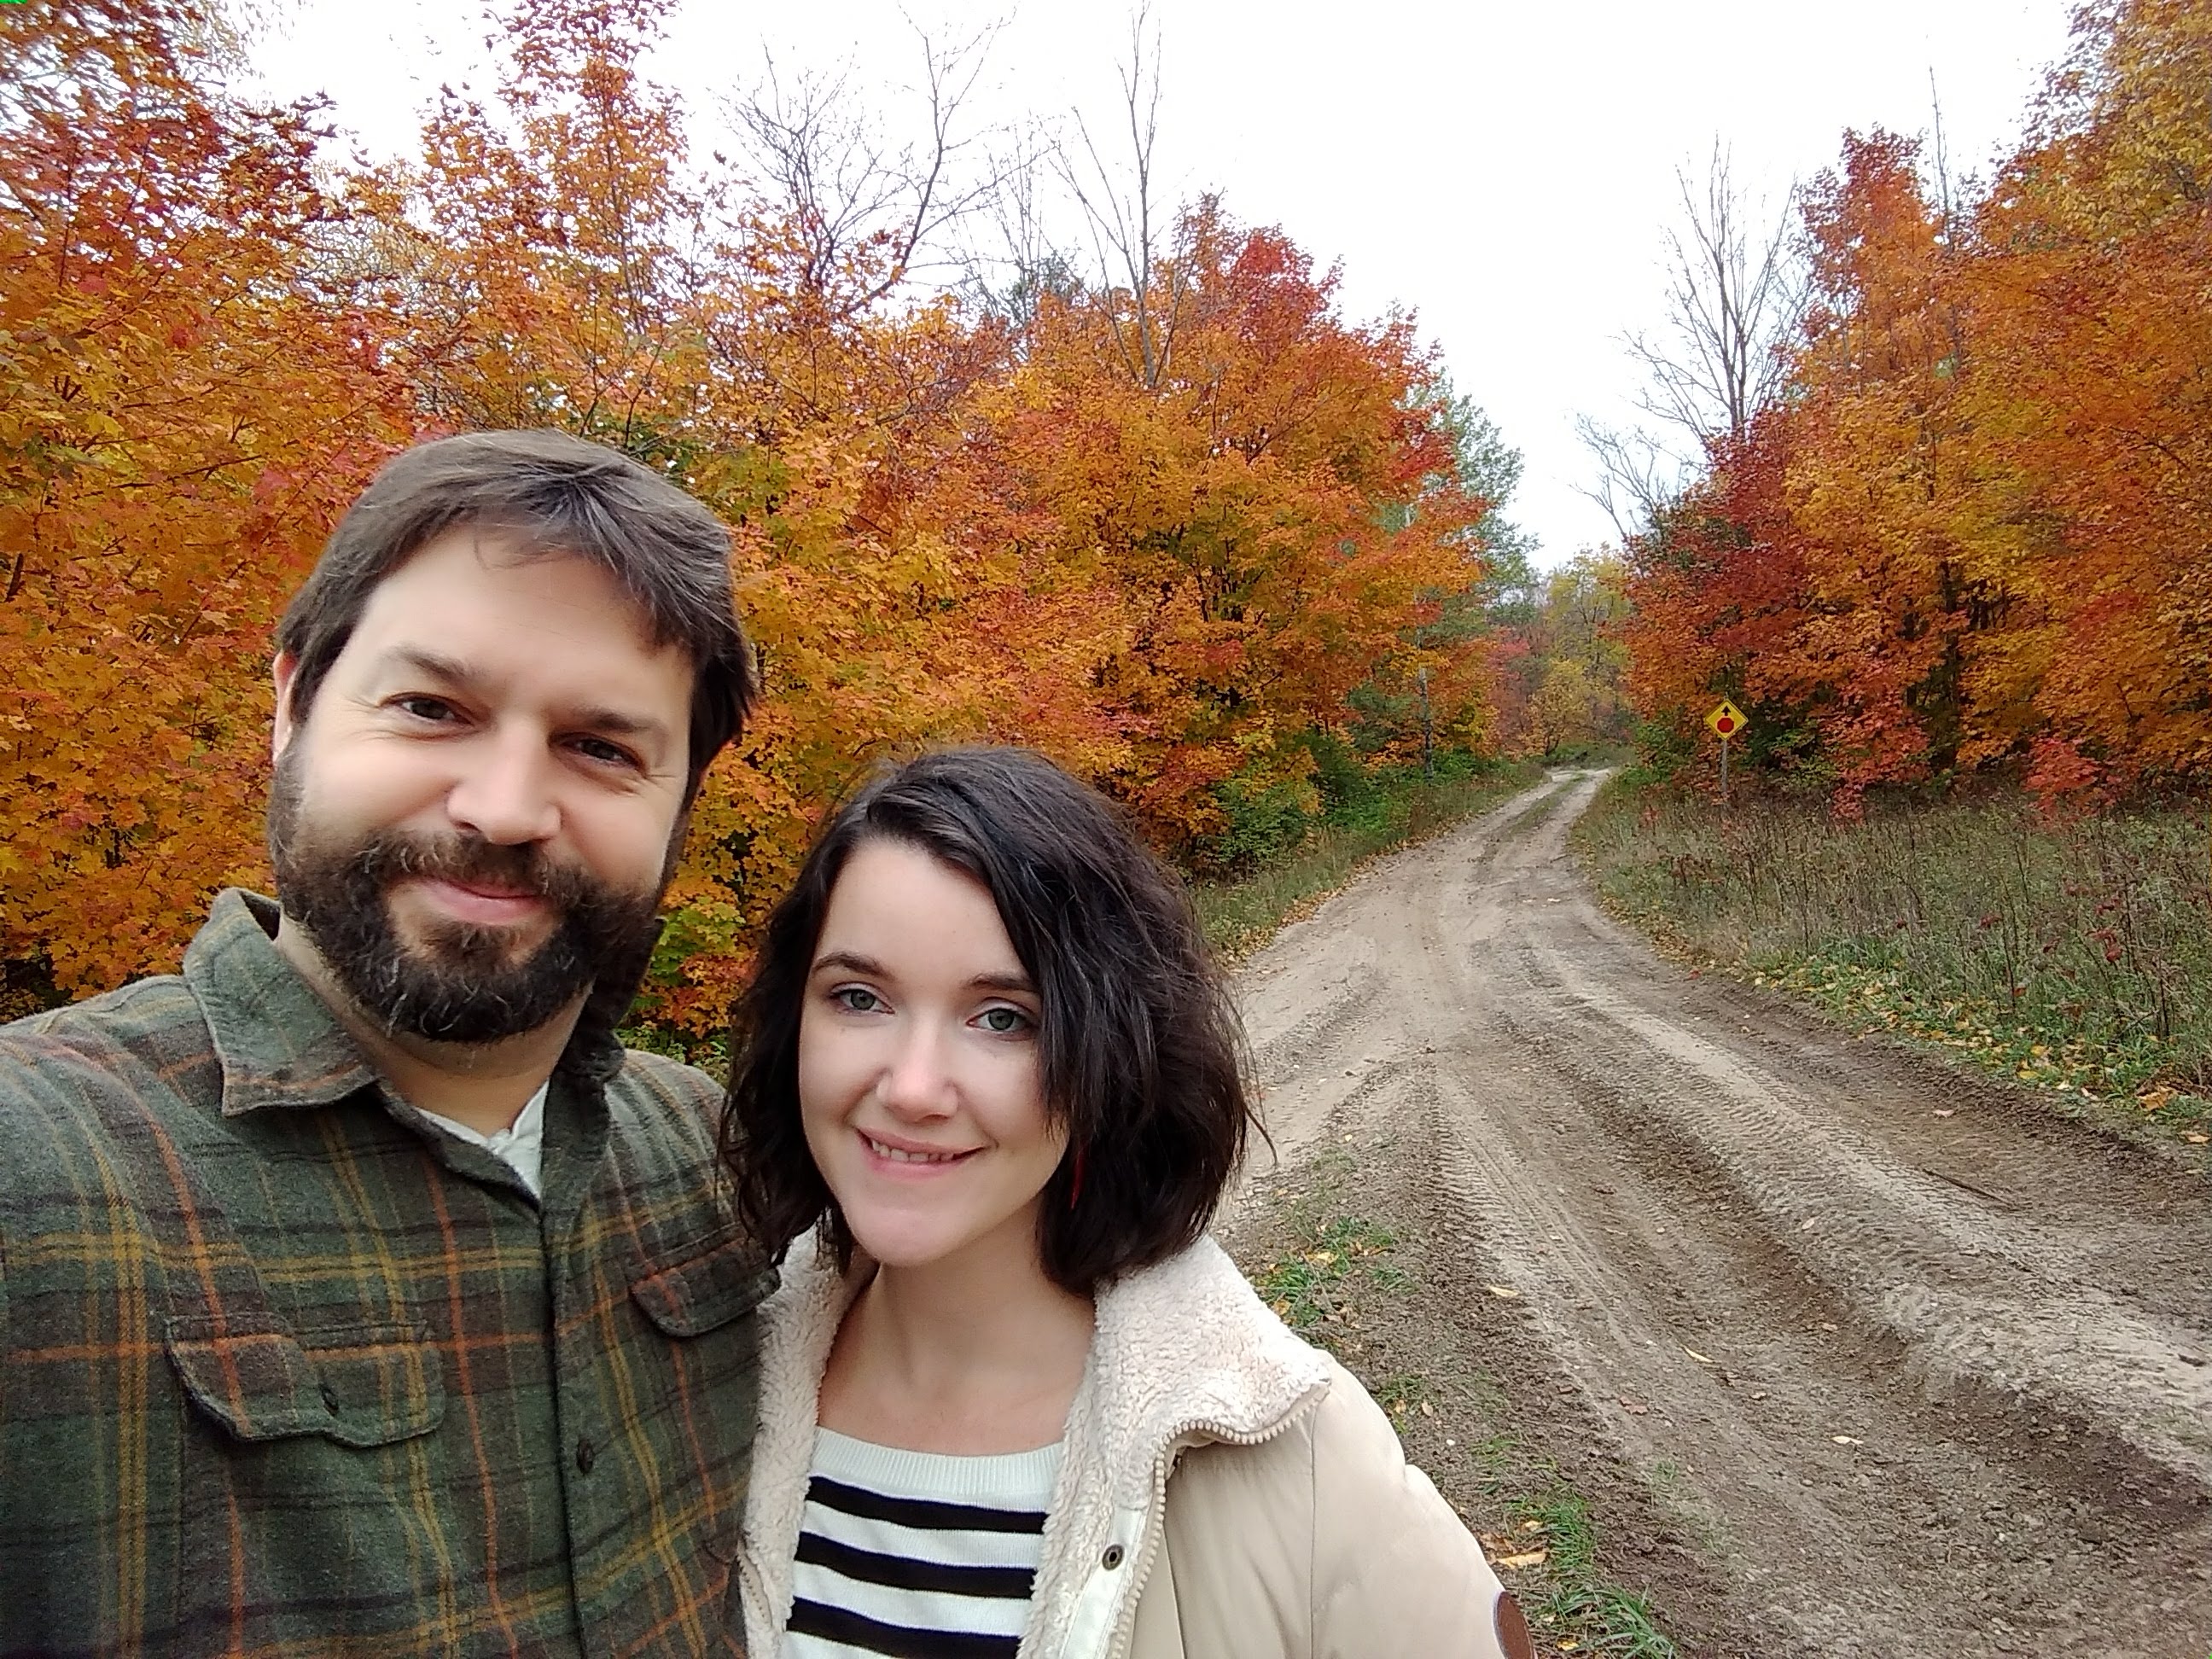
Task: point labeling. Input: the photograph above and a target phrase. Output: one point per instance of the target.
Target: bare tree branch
(1734, 297)
(1127, 239)
(848, 188)
(1637, 478)
(1033, 264)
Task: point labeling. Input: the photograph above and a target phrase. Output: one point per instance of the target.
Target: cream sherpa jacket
(1225, 1492)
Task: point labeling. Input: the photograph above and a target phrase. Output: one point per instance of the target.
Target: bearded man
(359, 1292)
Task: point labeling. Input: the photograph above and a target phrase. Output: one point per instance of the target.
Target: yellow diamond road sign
(1726, 720)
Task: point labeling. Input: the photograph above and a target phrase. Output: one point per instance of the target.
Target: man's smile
(481, 904)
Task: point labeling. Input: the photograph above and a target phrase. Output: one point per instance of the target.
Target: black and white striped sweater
(916, 1554)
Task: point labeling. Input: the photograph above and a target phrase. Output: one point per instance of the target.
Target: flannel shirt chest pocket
(358, 1386)
(311, 1476)
(700, 1303)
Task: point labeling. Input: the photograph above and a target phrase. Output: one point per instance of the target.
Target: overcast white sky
(1502, 170)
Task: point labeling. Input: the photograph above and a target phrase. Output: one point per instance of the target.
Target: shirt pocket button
(586, 1454)
(1113, 1558)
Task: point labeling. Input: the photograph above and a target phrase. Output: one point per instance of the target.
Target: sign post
(1726, 719)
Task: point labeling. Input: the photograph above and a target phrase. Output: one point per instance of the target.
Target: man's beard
(462, 983)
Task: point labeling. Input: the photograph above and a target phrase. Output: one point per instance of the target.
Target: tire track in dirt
(1918, 1383)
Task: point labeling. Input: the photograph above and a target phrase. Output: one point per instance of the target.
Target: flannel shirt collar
(277, 1040)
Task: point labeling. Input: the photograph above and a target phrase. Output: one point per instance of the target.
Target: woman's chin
(892, 1236)
(898, 1241)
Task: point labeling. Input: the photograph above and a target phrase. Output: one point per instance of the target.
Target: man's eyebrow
(622, 724)
(450, 670)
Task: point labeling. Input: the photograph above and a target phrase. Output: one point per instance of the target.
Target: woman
(1013, 1400)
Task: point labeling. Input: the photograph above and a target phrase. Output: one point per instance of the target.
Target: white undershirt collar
(520, 1145)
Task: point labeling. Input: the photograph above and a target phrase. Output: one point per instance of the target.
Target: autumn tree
(1173, 566)
(188, 391)
(1272, 514)
(2087, 392)
(1970, 535)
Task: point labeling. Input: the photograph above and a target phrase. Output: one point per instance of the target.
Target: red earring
(1075, 1179)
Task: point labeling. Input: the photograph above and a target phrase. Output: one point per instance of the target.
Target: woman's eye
(857, 999)
(1005, 1022)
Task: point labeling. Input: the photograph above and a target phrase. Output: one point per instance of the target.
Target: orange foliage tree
(189, 391)
(947, 524)
(1972, 531)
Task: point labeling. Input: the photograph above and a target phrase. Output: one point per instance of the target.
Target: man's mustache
(391, 856)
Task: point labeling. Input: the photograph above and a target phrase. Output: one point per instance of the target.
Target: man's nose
(505, 792)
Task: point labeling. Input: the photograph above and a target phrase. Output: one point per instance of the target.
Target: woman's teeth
(900, 1155)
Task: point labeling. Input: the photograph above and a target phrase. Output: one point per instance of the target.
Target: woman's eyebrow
(850, 962)
(1004, 982)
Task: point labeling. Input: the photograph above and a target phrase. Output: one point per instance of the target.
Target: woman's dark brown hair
(1138, 1044)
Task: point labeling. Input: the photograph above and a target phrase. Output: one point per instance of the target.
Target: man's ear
(281, 729)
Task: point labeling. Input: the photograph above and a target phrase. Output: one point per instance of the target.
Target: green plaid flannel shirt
(285, 1370)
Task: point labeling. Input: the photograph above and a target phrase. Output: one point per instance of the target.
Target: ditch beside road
(1848, 1352)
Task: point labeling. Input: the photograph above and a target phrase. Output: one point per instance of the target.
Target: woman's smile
(906, 1159)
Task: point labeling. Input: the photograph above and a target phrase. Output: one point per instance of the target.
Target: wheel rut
(1919, 1364)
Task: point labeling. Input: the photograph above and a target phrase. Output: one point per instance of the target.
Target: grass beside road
(1242, 915)
(2072, 955)
(1344, 1279)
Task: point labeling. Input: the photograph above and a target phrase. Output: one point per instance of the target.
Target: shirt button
(1112, 1558)
(330, 1400)
(586, 1454)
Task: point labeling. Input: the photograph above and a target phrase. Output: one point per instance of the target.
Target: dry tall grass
(2091, 937)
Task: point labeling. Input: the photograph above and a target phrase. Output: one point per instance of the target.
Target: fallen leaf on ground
(1846, 1440)
(1427, 1410)
(2199, 1140)
(1514, 1563)
(1631, 1405)
(1695, 1355)
(1505, 1290)
(1945, 1111)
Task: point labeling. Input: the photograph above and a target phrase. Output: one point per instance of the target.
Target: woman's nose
(916, 1083)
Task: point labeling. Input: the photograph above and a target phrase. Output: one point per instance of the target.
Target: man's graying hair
(545, 492)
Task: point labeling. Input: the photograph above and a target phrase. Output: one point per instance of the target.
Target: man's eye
(857, 999)
(609, 754)
(425, 709)
(1003, 1021)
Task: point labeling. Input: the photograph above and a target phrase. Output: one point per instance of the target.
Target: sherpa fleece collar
(1184, 1353)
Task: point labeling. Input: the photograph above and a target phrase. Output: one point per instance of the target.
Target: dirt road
(1914, 1364)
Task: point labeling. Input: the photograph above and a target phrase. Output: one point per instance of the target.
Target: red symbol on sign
(1724, 725)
